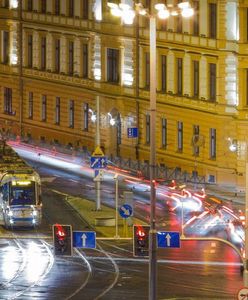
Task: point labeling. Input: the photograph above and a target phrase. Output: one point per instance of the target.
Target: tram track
(96, 267)
(27, 274)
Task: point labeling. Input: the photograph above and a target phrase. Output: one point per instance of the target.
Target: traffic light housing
(62, 240)
(141, 240)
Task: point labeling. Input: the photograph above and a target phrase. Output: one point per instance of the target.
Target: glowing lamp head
(128, 17)
(163, 14)
(187, 12)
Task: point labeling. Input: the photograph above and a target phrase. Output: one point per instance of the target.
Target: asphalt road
(198, 270)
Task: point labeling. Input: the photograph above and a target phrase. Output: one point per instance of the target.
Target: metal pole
(182, 218)
(116, 206)
(245, 275)
(98, 142)
(153, 232)
(98, 181)
(20, 59)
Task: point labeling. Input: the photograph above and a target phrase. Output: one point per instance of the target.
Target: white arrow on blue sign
(168, 239)
(126, 211)
(98, 162)
(84, 239)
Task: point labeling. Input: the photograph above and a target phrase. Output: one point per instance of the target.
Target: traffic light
(62, 240)
(141, 240)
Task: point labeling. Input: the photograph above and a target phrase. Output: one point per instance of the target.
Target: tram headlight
(35, 213)
(10, 213)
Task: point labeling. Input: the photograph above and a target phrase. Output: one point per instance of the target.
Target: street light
(127, 14)
(116, 205)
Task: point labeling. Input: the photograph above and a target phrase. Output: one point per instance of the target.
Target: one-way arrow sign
(84, 239)
(168, 239)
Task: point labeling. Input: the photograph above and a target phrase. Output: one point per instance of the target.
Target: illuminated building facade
(57, 56)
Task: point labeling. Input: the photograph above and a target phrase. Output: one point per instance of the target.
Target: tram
(20, 191)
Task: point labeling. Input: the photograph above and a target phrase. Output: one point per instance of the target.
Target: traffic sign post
(168, 239)
(98, 161)
(84, 239)
(126, 211)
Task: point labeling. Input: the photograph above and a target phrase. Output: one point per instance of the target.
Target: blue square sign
(168, 239)
(84, 239)
(132, 132)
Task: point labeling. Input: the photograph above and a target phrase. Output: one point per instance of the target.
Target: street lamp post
(116, 204)
(127, 15)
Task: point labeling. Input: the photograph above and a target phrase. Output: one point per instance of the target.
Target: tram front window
(22, 193)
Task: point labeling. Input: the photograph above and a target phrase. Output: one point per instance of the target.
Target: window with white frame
(196, 18)
(163, 73)
(43, 108)
(147, 70)
(7, 100)
(57, 55)
(85, 116)
(71, 58)
(30, 105)
(85, 9)
(196, 78)
(212, 82)
(164, 132)
(43, 6)
(71, 8)
(43, 53)
(212, 20)
(179, 76)
(196, 133)
(85, 59)
(30, 51)
(5, 47)
(179, 136)
(212, 143)
(71, 113)
(57, 7)
(113, 65)
(57, 111)
(148, 125)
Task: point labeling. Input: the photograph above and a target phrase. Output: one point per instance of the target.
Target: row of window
(85, 125)
(41, 6)
(57, 55)
(113, 67)
(197, 139)
(58, 8)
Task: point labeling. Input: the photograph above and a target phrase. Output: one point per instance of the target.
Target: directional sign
(132, 132)
(126, 211)
(84, 239)
(98, 162)
(168, 239)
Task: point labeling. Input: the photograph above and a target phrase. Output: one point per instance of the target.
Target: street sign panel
(98, 162)
(168, 239)
(84, 239)
(132, 132)
(126, 211)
